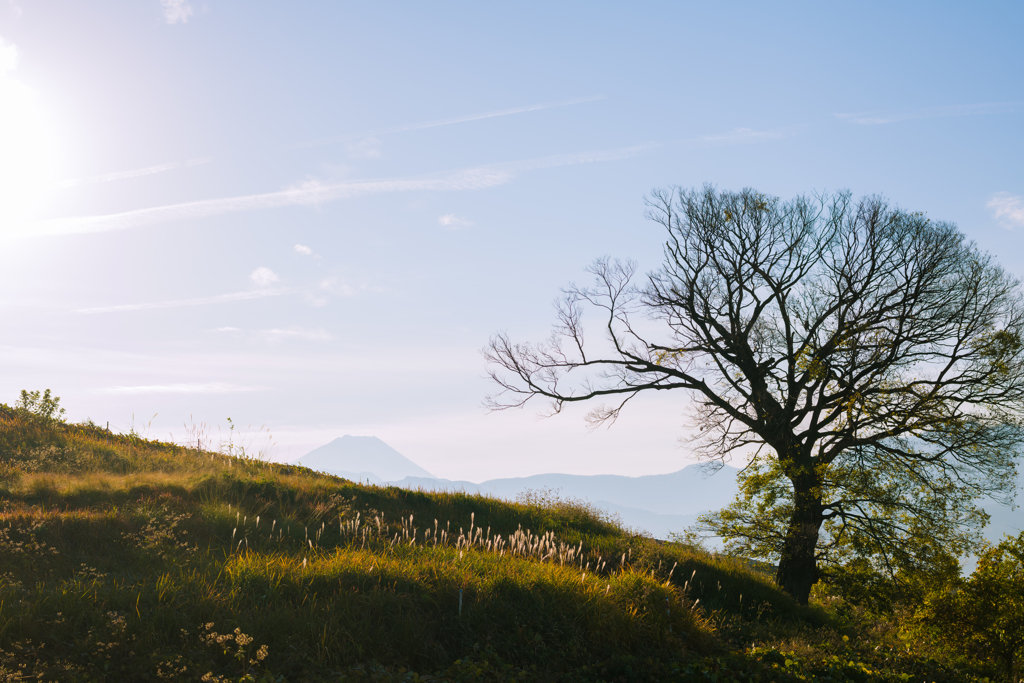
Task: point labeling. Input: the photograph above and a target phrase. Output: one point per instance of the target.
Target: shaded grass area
(128, 559)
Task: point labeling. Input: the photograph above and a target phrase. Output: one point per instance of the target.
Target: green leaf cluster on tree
(866, 361)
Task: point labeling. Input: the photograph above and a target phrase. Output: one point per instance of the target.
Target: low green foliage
(984, 614)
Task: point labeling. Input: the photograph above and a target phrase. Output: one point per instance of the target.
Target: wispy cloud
(879, 118)
(138, 172)
(295, 333)
(1008, 209)
(313, 192)
(331, 284)
(303, 249)
(453, 222)
(200, 301)
(315, 295)
(364, 148)
(445, 122)
(742, 136)
(277, 334)
(207, 388)
(176, 10)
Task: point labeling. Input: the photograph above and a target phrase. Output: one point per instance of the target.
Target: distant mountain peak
(349, 454)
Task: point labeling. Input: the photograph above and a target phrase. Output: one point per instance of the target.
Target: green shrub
(983, 615)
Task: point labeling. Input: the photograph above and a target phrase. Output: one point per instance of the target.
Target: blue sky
(313, 216)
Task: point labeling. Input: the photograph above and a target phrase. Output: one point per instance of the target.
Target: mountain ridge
(352, 454)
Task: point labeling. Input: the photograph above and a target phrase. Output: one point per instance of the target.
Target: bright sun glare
(25, 149)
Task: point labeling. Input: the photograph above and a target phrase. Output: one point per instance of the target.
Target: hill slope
(126, 559)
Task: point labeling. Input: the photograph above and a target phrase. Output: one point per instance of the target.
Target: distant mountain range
(658, 504)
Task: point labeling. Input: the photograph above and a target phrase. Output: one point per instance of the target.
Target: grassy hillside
(128, 559)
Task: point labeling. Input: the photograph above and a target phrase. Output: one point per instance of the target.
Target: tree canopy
(866, 360)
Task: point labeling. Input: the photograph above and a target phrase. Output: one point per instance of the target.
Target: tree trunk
(798, 567)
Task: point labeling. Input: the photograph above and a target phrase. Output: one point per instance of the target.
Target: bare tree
(869, 357)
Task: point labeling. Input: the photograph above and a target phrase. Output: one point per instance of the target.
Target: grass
(128, 559)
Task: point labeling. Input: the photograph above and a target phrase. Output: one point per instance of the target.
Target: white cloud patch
(263, 277)
(176, 10)
(881, 118)
(313, 192)
(453, 222)
(303, 249)
(199, 301)
(1008, 209)
(207, 388)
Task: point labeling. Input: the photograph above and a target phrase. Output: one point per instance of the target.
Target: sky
(311, 217)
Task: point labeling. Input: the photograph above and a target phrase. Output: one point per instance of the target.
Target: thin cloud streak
(741, 136)
(314, 192)
(276, 333)
(200, 301)
(296, 332)
(877, 119)
(207, 388)
(445, 122)
(138, 172)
